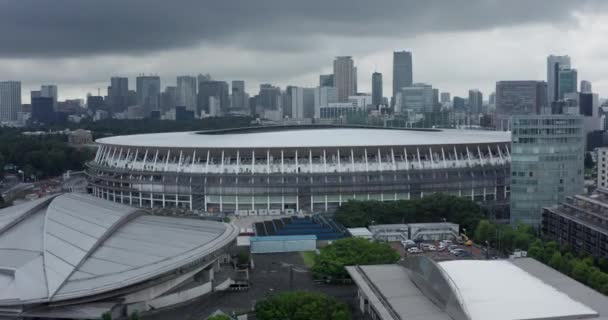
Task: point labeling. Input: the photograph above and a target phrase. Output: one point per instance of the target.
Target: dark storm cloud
(59, 28)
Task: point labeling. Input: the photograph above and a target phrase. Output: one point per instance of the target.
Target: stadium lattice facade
(272, 170)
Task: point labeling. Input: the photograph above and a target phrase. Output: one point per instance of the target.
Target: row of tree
(504, 238)
(301, 305)
(42, 156)
(583, 269)
(433, 208)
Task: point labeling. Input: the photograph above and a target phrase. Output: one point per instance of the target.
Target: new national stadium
(287, 169)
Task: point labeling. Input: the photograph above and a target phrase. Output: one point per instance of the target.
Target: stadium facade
(75, 256)
(283, 169)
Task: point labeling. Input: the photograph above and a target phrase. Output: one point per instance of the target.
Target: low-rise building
(415, 231)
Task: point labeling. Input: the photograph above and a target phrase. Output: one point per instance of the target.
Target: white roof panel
(499, 290)
(306, 138)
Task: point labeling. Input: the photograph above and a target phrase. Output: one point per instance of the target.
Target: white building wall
(602, 168)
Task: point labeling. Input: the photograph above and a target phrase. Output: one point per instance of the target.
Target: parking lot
(469, 252)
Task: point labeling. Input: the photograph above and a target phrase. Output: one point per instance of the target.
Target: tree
(134, 315)
(588, 161)
(219, 317)
(556, 260)
(301, 306)
(566, 263)
(485, 231)
(580, 271)
(106, 316)
(536, 250)
(332, 259)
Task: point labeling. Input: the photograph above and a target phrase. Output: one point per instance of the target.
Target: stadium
(75, 256)
(288, 169)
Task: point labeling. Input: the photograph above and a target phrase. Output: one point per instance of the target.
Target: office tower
(286, 100)
(445, 98)
(49, 91)
(10, 100)
(519, 98)
(186, 92)
(35, 94)
(42, 110)
(345, 77)
(459, 104)
(95, 103)
(586, 105)
(211, 88)
(238, 95)
(302, 103)
(492, 99)
(417, 98)
(586, 86)
(269, 97)
(169, 99)
(377, 89)
(546, 163)
(567, 82)
(322, 97)
(148, 93)
(402, 71)
(554, 65)
(326, 80)
(475, 101)
(436, 105)
(203, 77)
(118, 94)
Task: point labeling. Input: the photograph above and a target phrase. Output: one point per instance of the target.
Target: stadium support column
(381, 175)
(312, 202)
(325, 173)
(471, 165)
(366, 169)
(394, 172)
(445, 164)
(236, 180)
(297, 184)
(339, 179)
(221, 186)
(267, 179)
(143, 165)
(252, 180)
(282, 181)
(459, 175)
(155, 159)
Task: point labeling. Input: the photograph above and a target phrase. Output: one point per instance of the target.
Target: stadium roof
(309, 138)
(498, 289)
(73, 246)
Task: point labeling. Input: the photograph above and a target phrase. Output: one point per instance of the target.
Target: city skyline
(441, 54)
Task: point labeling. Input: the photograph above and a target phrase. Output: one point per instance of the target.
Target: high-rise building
(148, 93)
(49, 91)
(169, 98)
(345, 77)
(554, 65)
(567, 82)
(238, 97)
(118, 94)
(518, 98)
(42, 110)
(186, 92)
(217, 89)
(475, 101)
(546, 163)
(302, 103)
(417, 98)
(459, 104)
(492, 99)
(402, 71)
(586, 86)
(377, 88)
(602, 168)
(326, 80)
(269, 97)
(324, 96)
(445, 98)
(10, 100)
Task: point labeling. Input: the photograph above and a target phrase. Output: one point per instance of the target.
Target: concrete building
(580, 222)
(210, 88)
(546, 163)
(80, 137)
(323, 96)
(73, 256)
(42, 110)
(269, 97)
(554, 65)
(420, 288)
(475, 101)
(361, 101)
(239, 99)
(345, 77)
(586, 86)
(302, 103)
(148, 93)
(50, 91)
(186, 92)
(445, 98)
(168, 99)
(418, 98)
(602, 168)
(518, 98)
(402, 71)
(377, 89)
(302, 168)
(118, 95)
(326, 80)
(459, 104)
(415, 231)
(10, 101)
(586, 105)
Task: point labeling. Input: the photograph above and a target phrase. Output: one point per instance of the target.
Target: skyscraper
(445, 98)
(546, 163)
(211, 88)
(345, 77)
(377, 89)
(324, 96)
(567, 82)
(554, 65)
(10, 100)
(326, 80)
(118, 94)
(239, 101)
(42, 110)
(402, 71)
(518, 98)
(49, 91)
(303, 103)
(269, 97)
(475, 101)
(586, 87)
(168, 99)
(417, 98)
(148, 93)
(186, 92)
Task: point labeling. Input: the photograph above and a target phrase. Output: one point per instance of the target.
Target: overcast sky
(457, 44)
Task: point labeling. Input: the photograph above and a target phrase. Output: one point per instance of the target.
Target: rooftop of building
(309, 136)
(72, 246)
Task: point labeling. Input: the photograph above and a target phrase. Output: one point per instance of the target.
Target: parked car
(431, 248)
(414, 250)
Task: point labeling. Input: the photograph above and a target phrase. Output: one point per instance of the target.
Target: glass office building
(546, 163)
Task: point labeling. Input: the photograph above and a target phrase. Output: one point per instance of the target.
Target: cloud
(69, 28)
